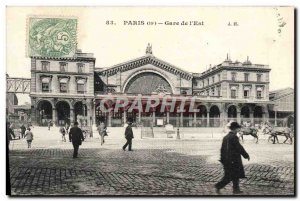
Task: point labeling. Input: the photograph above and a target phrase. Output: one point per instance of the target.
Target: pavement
(156, 167)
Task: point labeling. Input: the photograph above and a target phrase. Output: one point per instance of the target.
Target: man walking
(23, 130)
(128, 136)
(102, 131)
(29, 137)
(76, 136)
(231, 160)
(49, 124)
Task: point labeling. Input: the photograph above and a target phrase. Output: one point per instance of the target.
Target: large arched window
(148, 83)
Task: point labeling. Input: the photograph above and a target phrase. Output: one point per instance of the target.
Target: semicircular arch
(154, 72)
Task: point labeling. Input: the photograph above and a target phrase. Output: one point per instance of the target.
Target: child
(29, 137)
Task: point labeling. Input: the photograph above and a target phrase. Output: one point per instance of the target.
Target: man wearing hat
(128, 136)
(76, 136)
(231, 160)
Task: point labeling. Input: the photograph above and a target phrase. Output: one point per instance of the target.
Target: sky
(192, 48)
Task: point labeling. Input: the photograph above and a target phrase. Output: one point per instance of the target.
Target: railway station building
(65, 90)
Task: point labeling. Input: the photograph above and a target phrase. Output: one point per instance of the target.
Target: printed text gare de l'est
(169, 23)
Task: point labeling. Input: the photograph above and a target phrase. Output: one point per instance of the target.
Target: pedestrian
(231, 160)
(128, 136)
(9, 133)
(67, 127)
(102, 131)
(49, 124)
(29, 137)
(63, 132)
(23, 129)
(76, 137)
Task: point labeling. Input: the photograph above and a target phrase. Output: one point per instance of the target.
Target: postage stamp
(52, 37)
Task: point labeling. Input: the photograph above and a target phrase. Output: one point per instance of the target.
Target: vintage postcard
(150, 101)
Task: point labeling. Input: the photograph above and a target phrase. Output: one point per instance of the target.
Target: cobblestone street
(155, 167)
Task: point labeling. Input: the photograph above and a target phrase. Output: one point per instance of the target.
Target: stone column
(34, 110)
(54, 116)
(251, 118)
(153, 118)
(195, 119)
(72, 118)
(140, 117)
(124, 117)
(222, 118)
(109, 119)
(181, 119)
(238, 116)
(34, 117)
(168, 117)
(89, 114)
(191, 120)
(93, 105)
(207, 120)
(265, 116)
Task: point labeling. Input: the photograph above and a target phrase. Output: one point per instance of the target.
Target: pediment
(142, 61)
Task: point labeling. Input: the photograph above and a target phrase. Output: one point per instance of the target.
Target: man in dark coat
(23, 130)
(231, 160)
(76, 136)
(128, 136)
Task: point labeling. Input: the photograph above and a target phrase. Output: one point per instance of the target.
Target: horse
(248, 131)
(275, 132)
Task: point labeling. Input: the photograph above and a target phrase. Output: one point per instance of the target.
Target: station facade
(65, 90)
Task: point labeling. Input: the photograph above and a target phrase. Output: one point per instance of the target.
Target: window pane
(233, 93)
(80, 88)
(63, 87)
(259, 95)
(45, 87)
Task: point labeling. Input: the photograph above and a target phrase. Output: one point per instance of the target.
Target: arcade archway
(44, 114)
(214, 115)
(63, 113)
(232, 113)
(80, 111)
(201, 116)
